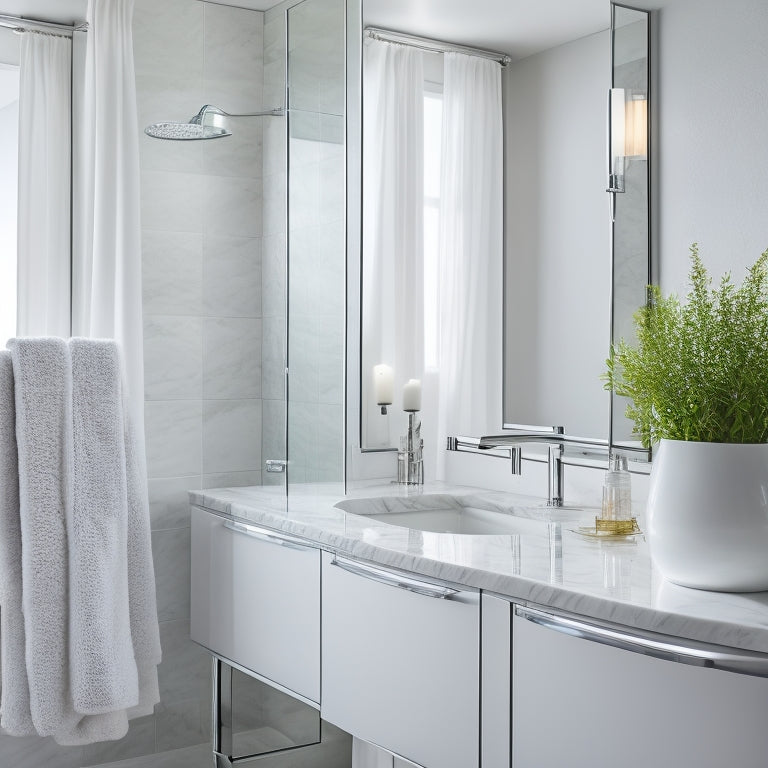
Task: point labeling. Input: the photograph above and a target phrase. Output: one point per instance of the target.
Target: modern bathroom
(358, 352)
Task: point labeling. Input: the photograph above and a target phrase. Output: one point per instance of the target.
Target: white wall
(712, 143)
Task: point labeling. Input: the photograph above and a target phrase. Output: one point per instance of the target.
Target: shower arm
(199, 118)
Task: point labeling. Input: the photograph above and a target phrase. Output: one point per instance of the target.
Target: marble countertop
(548, 564)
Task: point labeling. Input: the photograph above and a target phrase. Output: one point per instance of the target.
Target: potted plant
(697, 382)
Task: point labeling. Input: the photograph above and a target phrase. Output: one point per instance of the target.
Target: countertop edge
(723, 632)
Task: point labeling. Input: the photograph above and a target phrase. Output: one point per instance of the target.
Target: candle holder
(410, 463)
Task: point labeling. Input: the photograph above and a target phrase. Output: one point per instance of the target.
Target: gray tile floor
(191, 757)
(335, 751)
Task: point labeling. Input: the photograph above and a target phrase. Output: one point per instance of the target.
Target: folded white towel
(42, 376)
(15, 716)
(104, 677)
(42, 373)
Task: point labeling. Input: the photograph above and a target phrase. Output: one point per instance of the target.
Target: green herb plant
(699, 369)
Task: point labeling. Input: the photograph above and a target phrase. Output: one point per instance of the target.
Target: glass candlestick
(410, 463)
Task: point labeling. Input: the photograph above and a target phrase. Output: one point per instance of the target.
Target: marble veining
(550, 565)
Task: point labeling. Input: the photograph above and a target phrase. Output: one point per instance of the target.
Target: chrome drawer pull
(659, 647)
(393, 580)
(264, 535)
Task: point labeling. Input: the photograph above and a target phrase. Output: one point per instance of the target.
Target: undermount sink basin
(442, 514)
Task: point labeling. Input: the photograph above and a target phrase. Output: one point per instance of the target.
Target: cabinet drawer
(577, 701)
(401, 667)
(256, 601)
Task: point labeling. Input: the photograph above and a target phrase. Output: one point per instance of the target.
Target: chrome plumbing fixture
(559, 447)
(198, 127)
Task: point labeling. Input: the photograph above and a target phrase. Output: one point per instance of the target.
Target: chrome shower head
(197, 128)
(184, 131)
(193, 130)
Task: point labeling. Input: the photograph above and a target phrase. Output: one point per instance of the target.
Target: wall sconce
(627, 133)
(616, 137)
(636, 126)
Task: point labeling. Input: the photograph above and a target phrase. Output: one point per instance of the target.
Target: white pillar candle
(412, 395)
(383, 384)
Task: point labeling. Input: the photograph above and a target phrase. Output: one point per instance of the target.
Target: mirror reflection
(486, 269)
(432, 230)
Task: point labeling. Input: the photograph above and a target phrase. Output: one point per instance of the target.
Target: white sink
(443, 514)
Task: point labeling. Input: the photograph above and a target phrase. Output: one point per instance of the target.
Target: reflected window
(433, 130)
(9, 150)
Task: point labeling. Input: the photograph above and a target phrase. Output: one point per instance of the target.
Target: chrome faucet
(559, 445)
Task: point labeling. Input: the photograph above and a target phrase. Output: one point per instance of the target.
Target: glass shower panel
(316, 242)
(273, 262)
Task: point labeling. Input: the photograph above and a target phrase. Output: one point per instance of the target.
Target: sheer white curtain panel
(471, 251)
(106, 290)
(43, 245)
(393, 227)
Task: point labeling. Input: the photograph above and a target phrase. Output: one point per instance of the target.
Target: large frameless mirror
(576, 261)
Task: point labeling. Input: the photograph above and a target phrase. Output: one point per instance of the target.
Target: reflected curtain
(45, 73)
(106, 291)
(470, 251)
(393, 213)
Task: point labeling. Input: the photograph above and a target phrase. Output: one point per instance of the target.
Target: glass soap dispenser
(616, 513)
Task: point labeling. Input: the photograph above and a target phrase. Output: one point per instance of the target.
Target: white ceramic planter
(708, 515)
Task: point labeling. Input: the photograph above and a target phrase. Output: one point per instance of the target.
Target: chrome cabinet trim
(659, 646)
(267, 536)
(395, 580)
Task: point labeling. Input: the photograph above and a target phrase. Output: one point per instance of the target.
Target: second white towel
(104, 677)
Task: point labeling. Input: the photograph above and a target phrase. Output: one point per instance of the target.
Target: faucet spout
(509, 446)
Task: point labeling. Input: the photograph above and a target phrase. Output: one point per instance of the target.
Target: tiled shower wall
(202, 249)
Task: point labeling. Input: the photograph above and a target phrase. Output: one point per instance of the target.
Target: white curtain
(106, 291)
(471, 251)
(393, 228)
(45, 76)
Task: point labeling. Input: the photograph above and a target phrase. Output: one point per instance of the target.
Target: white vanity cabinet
(581, 702)
(256, 601)
(401, 663)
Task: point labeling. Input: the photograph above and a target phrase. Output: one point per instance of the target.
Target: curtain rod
(436, 46)
(19, 24)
